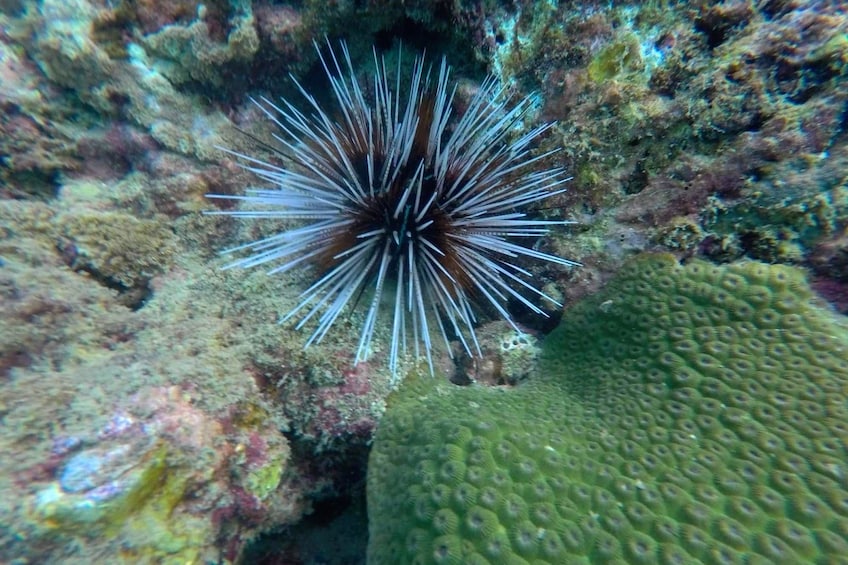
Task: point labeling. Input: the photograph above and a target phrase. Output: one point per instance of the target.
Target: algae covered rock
(162, 481)
(119, 250)
(685, 414)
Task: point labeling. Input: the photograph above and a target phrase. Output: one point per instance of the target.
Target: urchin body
(406, 206)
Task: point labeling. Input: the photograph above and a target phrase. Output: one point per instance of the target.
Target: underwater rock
(160, 480)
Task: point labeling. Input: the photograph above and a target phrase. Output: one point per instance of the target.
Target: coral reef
(159, 478)
(726, 118)
(192, 51)
(684, 414)
(709, 129)
(117, 249)
(32, 149)
(136, 433)
(42, 300)
(62, 45)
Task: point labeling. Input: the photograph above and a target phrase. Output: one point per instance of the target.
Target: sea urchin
(406, 205)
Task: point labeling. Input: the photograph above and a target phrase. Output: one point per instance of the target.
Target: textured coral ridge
(685, 414)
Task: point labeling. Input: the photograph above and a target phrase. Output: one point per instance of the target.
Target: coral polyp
(406, 206)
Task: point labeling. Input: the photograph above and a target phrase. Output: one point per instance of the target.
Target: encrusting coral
(685, 414)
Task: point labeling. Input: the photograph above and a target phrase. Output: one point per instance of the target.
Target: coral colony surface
(682, 415)
(681, 396)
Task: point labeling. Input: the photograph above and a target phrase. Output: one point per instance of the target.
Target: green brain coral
(686, 414)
